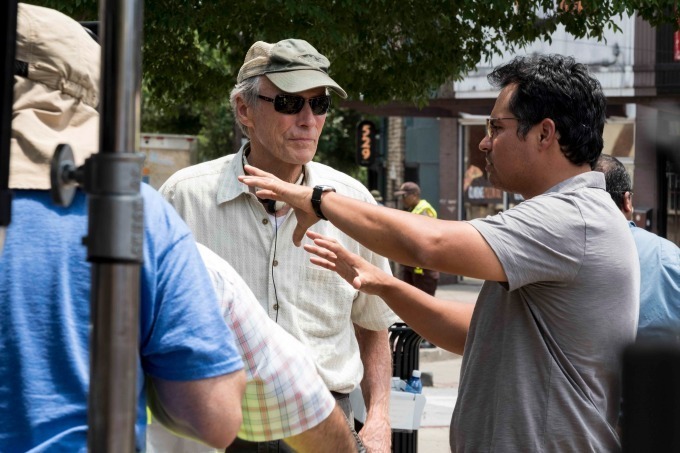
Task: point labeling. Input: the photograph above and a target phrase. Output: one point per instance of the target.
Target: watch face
(318, 190)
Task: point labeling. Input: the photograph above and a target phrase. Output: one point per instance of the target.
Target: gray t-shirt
(542, 361)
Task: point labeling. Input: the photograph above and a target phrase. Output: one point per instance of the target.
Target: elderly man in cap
(423, 279)
(280, 101)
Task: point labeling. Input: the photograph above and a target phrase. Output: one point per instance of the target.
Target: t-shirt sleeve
(539, 240)
(183, 335)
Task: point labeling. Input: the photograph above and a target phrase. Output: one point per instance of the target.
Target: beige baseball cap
(293, 65)
(56, 94)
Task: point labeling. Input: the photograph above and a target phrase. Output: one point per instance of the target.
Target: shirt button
(276, 306)
(265, 221)
(275, 263)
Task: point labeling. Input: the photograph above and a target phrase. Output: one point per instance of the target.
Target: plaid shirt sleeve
(284, 394)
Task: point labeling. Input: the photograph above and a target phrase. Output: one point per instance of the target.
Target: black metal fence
(405, 344)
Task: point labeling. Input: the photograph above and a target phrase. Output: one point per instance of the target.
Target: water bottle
(414, 384)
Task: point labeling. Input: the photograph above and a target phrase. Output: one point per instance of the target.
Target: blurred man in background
(659, 262)
(423, 279)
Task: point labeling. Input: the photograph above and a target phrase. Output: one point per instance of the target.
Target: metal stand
(111, 179)
(115, 246)
(115, 210)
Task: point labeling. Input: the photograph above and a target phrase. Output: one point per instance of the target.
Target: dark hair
(556, 87)
(616, 177)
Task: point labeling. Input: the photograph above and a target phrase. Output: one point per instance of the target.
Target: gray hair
(616, 177)
(248, 90)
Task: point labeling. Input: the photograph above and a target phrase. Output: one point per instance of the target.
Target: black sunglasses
(291, 104)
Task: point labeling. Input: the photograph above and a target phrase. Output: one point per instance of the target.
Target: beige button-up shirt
(314, 304)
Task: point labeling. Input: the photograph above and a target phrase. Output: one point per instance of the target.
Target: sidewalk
(433, 435)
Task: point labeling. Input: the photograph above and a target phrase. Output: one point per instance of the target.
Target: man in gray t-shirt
(541, 359)
(542, 346)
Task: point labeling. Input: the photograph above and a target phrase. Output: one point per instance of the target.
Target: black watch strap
(316, 199)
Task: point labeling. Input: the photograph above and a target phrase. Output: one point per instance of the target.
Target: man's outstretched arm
(449, 246)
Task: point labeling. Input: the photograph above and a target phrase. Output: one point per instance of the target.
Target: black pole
(115, 232)
(8, 52)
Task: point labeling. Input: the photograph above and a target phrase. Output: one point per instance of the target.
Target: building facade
(639, 69)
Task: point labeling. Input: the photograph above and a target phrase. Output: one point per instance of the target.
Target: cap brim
(400, 192)
(303, 80)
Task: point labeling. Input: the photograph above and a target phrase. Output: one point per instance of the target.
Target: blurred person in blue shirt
(187, 356)
(659, 262)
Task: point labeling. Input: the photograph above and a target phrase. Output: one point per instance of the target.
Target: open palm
(354, 269)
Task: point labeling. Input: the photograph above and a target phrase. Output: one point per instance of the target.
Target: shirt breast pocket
(324, 302)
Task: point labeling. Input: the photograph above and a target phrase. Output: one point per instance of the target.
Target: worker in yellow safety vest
(423, 279)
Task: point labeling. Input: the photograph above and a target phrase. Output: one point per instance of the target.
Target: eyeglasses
(491, 128)
(291, 104)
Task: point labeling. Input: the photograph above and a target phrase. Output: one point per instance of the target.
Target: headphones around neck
(272, 206)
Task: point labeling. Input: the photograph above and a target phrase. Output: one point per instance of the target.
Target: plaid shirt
(284, 394)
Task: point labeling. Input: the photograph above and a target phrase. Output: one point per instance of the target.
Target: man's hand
(334, 430)
(377, 435)
(361, 274)
(299, 197)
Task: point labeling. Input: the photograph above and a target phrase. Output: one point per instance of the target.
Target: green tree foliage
(380, 50)
(213, 123)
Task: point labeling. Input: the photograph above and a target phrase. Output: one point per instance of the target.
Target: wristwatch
(316, 199)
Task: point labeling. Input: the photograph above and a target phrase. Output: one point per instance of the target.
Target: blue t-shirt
(659, 286)
(45, 319)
